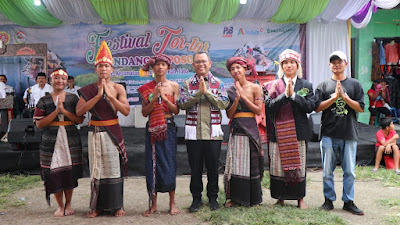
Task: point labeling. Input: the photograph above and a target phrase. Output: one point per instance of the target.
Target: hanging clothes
(376, 69)
(392, 53)
(382, 57)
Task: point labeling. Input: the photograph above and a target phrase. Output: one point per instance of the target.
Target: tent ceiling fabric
(72, 11)
(167, 10)
(258, 9)
(57, 12)
(298, 11)
(26, 13)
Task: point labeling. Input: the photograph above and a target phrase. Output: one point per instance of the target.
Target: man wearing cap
(339, 99)
(203, 96)
(287, 102)
(158, 103)
(106, 146)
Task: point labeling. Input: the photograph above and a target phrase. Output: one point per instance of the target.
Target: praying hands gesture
(60, 105)
(338, 91)
(239, 89)
(203, 86)
(289, 88)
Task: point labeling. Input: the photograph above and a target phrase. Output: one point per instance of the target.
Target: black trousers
(202, 152)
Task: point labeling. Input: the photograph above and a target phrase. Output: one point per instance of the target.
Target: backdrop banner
(74, 47)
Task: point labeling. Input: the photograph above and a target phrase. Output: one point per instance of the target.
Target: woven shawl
(286, 135)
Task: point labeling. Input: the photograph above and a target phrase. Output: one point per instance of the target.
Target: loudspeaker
(315, 123)
(24, 135)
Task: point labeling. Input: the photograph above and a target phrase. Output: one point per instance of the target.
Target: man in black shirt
(340, 98)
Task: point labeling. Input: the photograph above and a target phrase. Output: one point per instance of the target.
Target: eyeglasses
(200, 62)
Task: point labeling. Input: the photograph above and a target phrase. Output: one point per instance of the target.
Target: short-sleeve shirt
(381, 136)
(340, 120)
(378, 104)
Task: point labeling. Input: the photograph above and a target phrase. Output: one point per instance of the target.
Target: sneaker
(374, 170)
(195, 206)
(213, 204)
(397, 172)
(351, 207)
(327, 206)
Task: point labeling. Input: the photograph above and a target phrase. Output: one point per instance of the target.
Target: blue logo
(228, 31)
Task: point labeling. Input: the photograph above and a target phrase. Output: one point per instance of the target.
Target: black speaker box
(24, 135)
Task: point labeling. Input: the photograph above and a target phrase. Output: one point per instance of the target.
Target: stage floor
(27, 161)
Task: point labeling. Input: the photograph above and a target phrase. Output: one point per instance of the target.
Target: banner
(75, 46)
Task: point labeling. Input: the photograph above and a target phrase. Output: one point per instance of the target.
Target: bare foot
(68, 211)
(59, 212)
(229, 204)
(93, 214)
(280, 202)
(119, 213)
(149, 211)
(301, 204)
(173, 210)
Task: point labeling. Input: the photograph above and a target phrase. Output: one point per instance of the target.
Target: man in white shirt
(9, 89)
(38, 90)
(71, 88)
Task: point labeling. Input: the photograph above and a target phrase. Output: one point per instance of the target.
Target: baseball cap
(337, 54)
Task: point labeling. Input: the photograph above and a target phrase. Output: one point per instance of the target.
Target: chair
(378, 116)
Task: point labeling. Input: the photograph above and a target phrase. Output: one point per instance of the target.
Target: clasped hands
(239, 90)
(338, 91)
(59, 105)
(388, 149)
(289, 91)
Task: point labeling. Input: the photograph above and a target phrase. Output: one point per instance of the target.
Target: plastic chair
(378, 116)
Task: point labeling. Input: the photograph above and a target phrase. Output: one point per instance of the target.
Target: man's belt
(103, 123)
(244, 114)
(61, 123)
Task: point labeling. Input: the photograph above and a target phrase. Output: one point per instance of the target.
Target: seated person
(376, 103)
(386, 144)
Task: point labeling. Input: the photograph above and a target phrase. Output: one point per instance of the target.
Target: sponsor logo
(249, 32)
(228, 31)
(20, 37)
(5, 37)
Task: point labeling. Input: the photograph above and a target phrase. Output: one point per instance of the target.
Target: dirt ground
(36, 211)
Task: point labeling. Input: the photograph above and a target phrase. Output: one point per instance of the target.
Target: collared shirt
(294, 79)
(9, 89)
(37, 93)
(2, 90)
(202, 103)
(73, 90)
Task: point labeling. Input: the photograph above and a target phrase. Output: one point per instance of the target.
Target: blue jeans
(347, 149)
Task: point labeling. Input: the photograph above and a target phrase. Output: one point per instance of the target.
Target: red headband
(59, 72)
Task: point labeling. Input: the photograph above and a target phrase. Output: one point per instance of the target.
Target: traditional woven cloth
(191, 119)
(290, 54)
(154, 59)
(61, 148)
(244, 166)
(243, 62)
(286, 134)
(157, 122)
